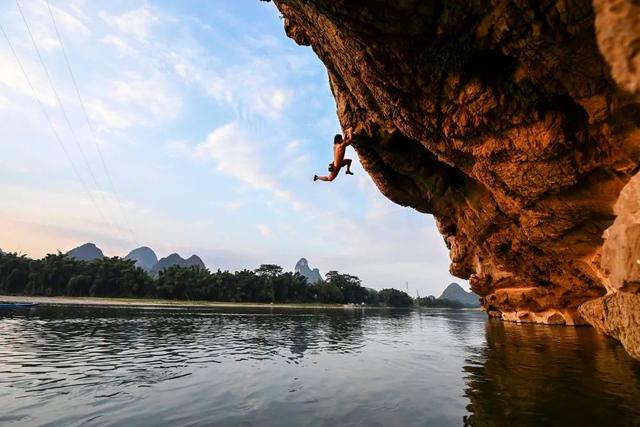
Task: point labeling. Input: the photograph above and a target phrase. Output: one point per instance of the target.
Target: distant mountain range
(175, 259)
(144, 258)
(454, 292)
(86, 252)
(303, 268)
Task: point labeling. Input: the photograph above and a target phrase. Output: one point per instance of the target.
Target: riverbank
(163, 303)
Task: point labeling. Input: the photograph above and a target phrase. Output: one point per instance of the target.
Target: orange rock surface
(503, 119)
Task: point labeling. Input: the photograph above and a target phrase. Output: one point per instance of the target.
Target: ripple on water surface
(113, 366)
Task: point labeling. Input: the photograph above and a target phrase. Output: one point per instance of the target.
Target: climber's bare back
(339, 150)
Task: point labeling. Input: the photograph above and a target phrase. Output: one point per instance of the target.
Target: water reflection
(101, 366)
(540, 375)
(57, 347)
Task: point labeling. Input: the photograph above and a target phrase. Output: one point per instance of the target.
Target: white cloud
(137, 23)
(67, 21)
(14, 167)
(109, 118)
(78, 13)
(264, 230)
(12, 77)
(278, 99)
(256, 86)
(238, 155)
(178, 148)
(152, 91)
(234, 204)
(296, 167)
(294, 145)
(39, 19)
(120, 44)
(134, 100)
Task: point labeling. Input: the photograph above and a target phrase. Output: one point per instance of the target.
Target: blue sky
(211, 124)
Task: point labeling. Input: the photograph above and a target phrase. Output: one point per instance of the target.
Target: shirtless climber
(339, 149)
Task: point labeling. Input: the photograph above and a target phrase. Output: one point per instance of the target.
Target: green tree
(328, 293)
(79, 285)
(269, 273)
(395, 298)
(372, 297)
(183, 283)
(350, 287)
(59, 274)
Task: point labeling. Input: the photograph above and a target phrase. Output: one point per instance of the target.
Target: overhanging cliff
(505, 121)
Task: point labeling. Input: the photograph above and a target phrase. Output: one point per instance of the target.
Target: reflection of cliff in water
(552, 375)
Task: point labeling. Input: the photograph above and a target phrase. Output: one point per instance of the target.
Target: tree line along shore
(60, 275)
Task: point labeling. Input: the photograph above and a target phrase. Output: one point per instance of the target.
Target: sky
(189, 127)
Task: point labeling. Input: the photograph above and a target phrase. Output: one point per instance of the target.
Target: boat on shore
(7, 305)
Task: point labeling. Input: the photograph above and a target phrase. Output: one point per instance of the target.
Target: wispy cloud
(265, 230)
(135, 100)
(137, 23)
(237, 154)
(178, 148)
(255, 85)
(234, 204)
(13, 79)
(4, 102)
(74, 21)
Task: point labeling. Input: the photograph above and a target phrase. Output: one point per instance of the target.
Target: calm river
(155, 367)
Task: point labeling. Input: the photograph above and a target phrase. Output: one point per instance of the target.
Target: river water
(64, 365)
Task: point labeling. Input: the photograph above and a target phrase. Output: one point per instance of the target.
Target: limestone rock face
(175, 259)
(618, 315)
(501, 118)
(302, 267)
(144, 257)
(454, 292)
(621, 249)
(86, 252)
(618, 30)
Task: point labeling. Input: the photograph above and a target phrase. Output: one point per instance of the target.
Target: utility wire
(53, 129)
(91, 129)
(64, 111)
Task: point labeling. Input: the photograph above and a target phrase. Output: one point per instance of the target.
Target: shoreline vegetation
(168, 303)
(62, 278)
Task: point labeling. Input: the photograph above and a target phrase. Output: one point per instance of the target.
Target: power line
(91, 129)
(64, 111)
(53, 129)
